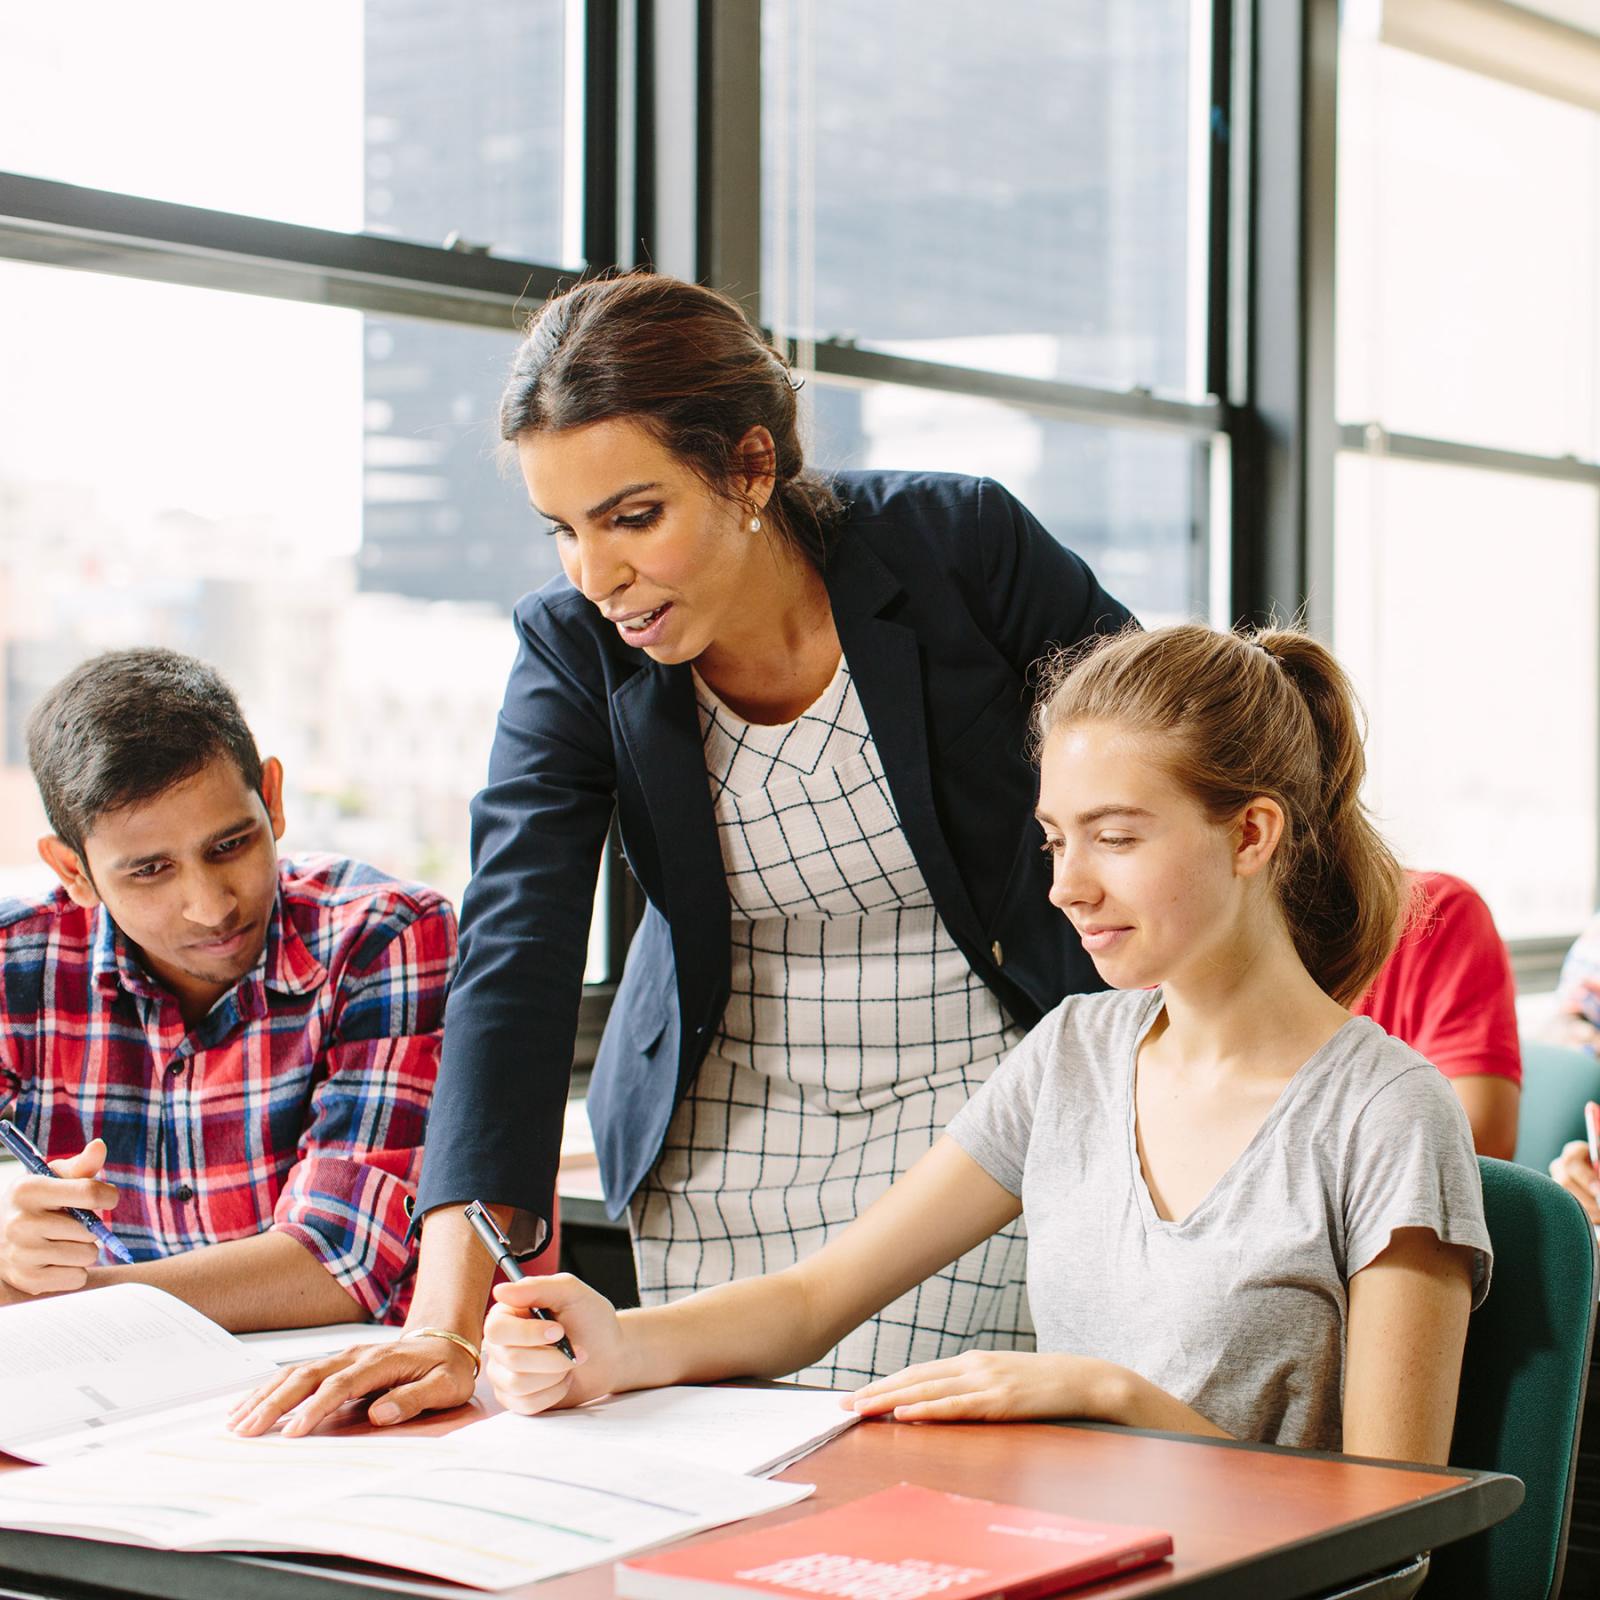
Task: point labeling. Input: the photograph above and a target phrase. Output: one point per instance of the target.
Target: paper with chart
(754, 1431)
(478, 1509)
(80, 1363)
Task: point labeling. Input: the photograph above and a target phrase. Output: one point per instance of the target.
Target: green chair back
(1556, 1080)
(1522, 1385)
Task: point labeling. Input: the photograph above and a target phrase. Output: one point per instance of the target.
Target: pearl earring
(755, 524)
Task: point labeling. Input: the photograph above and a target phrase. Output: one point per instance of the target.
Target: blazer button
(998, 954)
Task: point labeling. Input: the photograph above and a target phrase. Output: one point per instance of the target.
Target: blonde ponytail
(1267, 712)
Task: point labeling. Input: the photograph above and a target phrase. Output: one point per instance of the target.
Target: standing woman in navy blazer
(806, 703)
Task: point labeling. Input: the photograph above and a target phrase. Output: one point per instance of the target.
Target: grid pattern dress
(855, 1029)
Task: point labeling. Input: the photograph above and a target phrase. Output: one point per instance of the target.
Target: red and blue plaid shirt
(298, 1103)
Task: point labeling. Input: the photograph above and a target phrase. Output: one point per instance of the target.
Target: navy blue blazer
(945, 591)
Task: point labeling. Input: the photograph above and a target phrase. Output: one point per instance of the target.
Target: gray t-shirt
(1239, 1309)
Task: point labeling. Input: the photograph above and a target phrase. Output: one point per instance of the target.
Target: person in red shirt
(1448, 992)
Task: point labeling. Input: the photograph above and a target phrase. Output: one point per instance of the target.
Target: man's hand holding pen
(44, 1249)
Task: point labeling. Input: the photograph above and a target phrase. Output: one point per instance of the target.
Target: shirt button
(998, 954)
(174, 1068)
(183, 1192)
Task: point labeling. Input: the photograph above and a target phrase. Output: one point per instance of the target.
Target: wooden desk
(1243, 1518)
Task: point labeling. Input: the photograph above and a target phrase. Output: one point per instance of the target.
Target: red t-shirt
(1447, 990)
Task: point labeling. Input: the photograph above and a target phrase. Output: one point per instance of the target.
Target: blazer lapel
(886, 665)
(655, 710)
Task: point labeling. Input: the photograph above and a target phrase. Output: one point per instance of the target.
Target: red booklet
(904, 1543)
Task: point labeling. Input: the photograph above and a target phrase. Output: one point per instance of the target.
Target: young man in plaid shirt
(227, 1055)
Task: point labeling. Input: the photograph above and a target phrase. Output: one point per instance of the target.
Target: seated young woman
(1249, 1213)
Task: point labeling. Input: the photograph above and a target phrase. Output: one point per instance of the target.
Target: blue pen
(23, 1148)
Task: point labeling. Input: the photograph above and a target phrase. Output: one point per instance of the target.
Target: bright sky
(242, 108)
(165, 396)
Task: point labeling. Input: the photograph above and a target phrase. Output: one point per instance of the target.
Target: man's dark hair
(126, 726)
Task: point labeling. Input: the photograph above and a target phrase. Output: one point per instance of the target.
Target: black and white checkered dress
(855, 1030)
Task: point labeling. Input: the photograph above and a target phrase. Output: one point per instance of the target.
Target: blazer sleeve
(1038, 594)
(538, 830)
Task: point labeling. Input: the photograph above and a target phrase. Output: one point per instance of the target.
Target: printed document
(475, 1508)
(78, 1364)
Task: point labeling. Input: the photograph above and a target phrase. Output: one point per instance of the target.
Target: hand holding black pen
(499, 1248)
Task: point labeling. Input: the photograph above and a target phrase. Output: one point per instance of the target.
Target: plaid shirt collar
(284, 963)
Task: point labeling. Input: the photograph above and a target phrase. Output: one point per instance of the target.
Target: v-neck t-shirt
(1239, 1309)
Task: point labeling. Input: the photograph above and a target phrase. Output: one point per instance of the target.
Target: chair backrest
(1522, 1385)
(1556, 1080)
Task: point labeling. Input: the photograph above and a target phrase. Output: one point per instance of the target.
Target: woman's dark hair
(126, 726)
(685, 362)
(1258, 713)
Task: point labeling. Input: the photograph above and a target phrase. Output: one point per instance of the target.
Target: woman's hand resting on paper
(1014, 1386)
(999, 1386)
(520, 1358)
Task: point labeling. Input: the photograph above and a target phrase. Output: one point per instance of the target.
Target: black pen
(499, 1247)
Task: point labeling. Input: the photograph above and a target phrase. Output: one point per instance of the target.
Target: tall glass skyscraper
(464, 124)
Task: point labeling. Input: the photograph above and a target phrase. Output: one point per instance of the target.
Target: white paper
(292, 1345)
(77, 1363)
(136, 1428)
(752, 1431)
(478, 1510)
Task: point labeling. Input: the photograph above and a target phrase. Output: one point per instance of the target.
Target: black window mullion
(600, 116)
(1284, 434)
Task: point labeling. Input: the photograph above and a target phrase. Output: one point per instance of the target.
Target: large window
(1469, 234)
(1132, 503)
(299, 481)
(1020, 191)
(302, 496)
(982, 216)
(391, 117)
(306, 496)
(227, 475)
(1046, 241)
(1479, 678)
(1467, 551)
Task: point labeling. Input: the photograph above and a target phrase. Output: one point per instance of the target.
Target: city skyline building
(464, 126)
